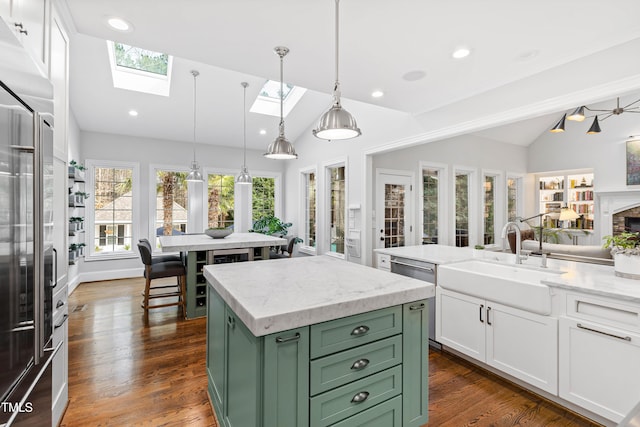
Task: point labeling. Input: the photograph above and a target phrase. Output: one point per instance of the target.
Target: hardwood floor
(122, 373)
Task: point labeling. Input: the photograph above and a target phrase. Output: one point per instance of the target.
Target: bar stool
(159, 267)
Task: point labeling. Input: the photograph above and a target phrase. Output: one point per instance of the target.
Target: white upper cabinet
(30, 20)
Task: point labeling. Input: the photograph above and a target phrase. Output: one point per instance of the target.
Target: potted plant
(625, 248)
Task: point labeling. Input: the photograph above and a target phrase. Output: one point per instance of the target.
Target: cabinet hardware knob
(296, 337)
(481, 308)
(360, 364)
(60, 303)
(627, 338)
(230, 321)
(488, 311)
(360, 397)
(360, 330)
(416, 307)
(20, 28)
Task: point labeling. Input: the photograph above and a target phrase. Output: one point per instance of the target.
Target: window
(171, 212)
(268, 100)
(220, 200)
(337, 204)
(263, 197)
(462, 197)
(113, 210)
(309, 220)
(430, 205)
(514, 197)
(140, 70)
(489, 209)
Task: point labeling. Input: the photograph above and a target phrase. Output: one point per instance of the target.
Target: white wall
(146, 152)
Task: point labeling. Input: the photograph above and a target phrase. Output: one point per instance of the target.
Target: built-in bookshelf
(572, 190)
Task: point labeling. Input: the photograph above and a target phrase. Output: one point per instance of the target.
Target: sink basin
(513, 285)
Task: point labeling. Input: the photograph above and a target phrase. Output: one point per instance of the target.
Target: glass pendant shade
(595, 127)
(194, 174)
(337, 123)
(244, 177)
(559, 127)
(577, 115)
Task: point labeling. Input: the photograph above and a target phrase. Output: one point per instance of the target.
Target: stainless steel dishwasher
(425, 271)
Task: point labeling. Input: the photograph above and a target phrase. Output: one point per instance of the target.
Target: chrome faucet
(506, 228)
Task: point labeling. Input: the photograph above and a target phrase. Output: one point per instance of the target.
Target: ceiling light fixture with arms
(578, 115)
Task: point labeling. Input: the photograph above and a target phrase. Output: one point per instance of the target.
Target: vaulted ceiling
(402, 47)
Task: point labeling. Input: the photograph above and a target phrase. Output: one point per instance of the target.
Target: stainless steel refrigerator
(26, 245)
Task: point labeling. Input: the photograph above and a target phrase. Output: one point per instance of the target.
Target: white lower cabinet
(599, 367)
(519, 343)
(60, 373)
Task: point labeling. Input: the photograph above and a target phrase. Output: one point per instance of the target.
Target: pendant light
(281, 148)
(337, 123)
(194, 174)
(244, 177)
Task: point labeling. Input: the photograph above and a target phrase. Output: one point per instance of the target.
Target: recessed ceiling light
(119, 24)
(414, 75)
(460, 53)
(263, 132)
(377, 93)
(133, 113)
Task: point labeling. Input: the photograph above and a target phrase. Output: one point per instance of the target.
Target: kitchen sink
(514, 285)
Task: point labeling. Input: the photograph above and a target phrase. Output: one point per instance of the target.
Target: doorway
(394, 209)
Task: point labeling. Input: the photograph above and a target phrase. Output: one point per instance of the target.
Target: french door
(394, 209)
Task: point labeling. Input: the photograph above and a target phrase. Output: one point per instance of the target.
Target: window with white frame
(336, 209)
(431, 182)
(113, 208)
(310, 200)
(220, 200)
(263, 197)
(489, 214)
(171, 203)
(462, 207)
(514, 197)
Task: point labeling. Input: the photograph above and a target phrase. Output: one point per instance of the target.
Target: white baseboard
(95, 276)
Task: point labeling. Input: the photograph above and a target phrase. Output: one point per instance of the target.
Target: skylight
(268, 101)
(138, 69)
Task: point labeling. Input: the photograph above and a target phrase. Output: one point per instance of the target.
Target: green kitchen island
(316, 341)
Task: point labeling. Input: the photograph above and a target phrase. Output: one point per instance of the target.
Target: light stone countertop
(578, 276)
(202, 242)
(277, 295)
(436, 254)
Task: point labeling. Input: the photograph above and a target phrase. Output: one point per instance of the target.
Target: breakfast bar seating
(160, 268)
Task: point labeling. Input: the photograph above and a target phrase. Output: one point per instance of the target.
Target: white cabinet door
(29, 19)
(523, 345)
(599, 367)
(461, 322)
(5, 10)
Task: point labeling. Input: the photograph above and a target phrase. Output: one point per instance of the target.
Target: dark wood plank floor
(123, 373)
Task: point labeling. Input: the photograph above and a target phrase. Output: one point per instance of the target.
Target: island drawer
(350, 365)
(353, 398)
(341, 334)
(386, 414)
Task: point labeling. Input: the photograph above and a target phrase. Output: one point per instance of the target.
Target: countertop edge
(309, 316)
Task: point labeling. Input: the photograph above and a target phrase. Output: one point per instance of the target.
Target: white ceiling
(230, 41)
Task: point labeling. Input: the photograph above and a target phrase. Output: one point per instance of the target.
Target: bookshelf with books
(573, 190)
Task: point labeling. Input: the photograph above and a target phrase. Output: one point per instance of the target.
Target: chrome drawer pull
(360, 330)
(360, 397)
(416, 307)
(296, 337)
(604, 333)
(360, 364)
